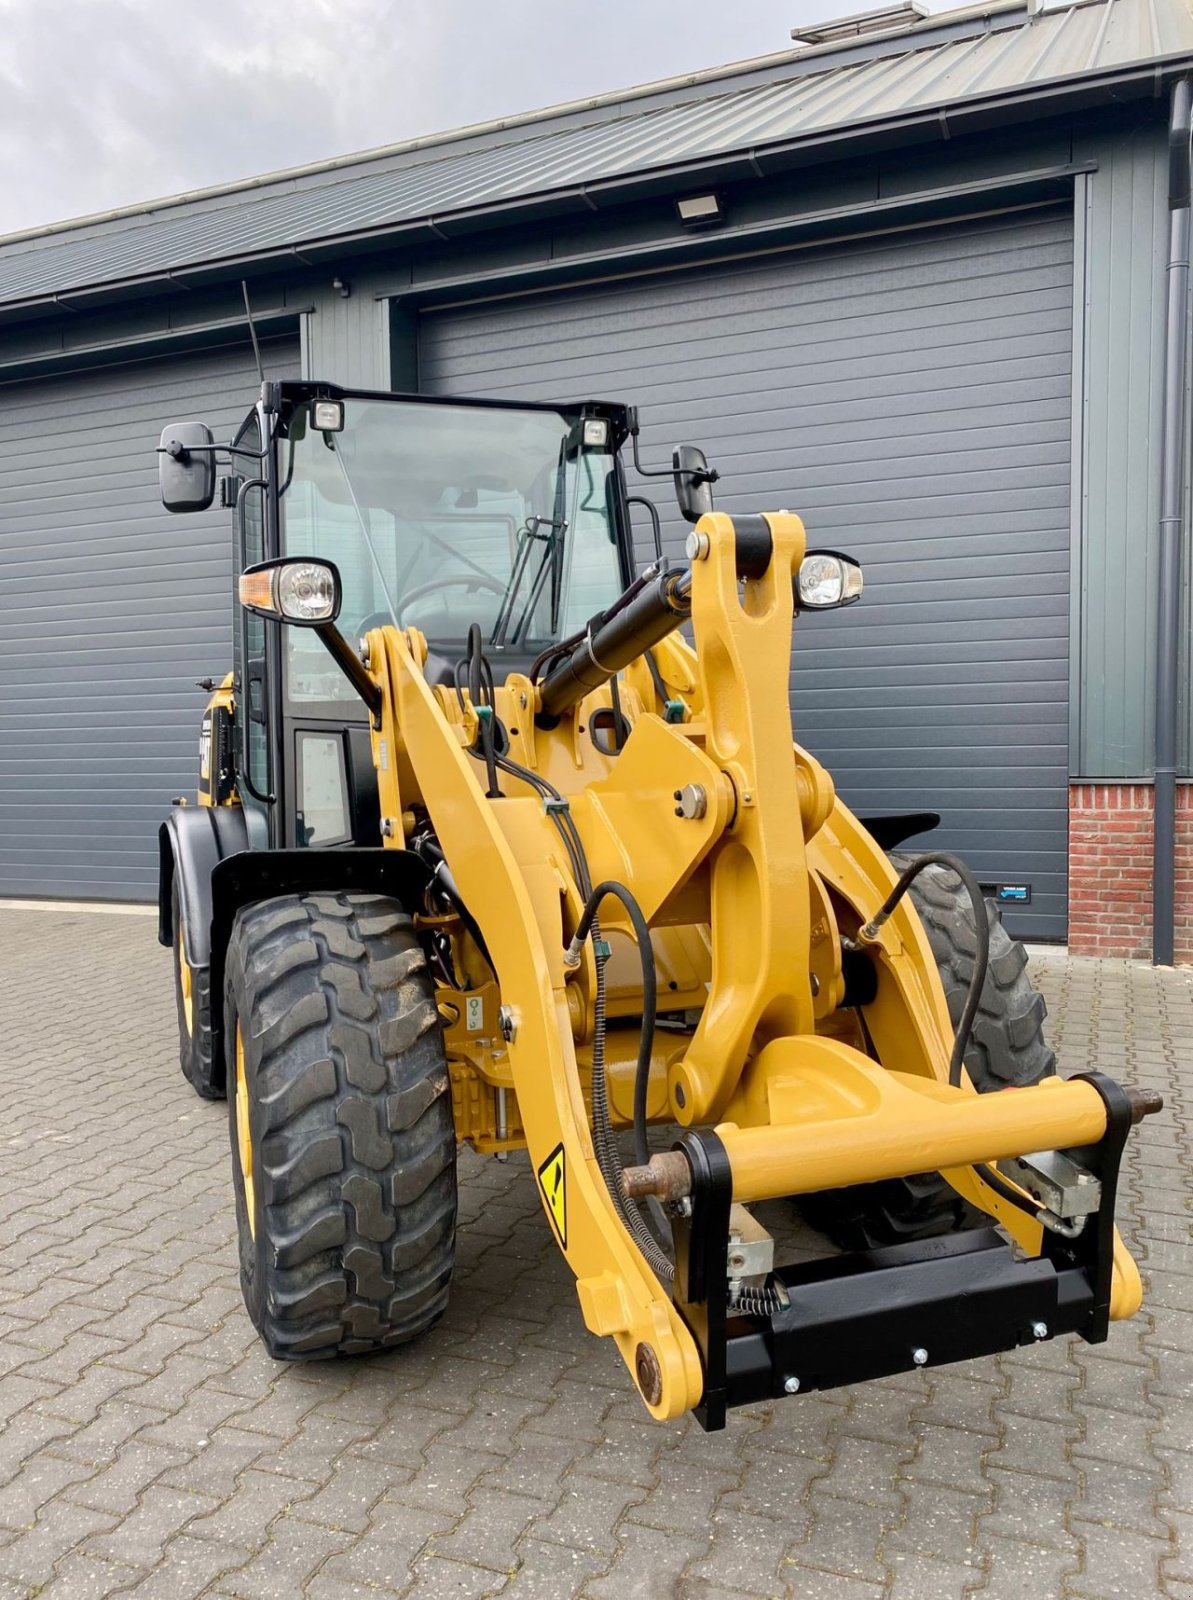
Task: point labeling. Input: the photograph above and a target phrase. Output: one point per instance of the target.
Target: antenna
(248, 311)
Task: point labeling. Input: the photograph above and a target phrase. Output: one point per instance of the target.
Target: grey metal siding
(1126, 227)
(910, 396)
(110, 610)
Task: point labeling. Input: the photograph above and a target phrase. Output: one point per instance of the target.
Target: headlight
(827, 579)
(293, 589)
(306, 592)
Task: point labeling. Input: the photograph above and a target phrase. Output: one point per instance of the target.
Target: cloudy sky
(108, 102)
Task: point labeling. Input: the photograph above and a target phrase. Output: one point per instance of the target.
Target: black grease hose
(977, 983)
(649, 998)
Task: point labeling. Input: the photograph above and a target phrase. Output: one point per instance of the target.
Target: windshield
(439, 516)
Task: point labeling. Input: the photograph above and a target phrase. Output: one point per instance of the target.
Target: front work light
(328, 415)
(294, 589)
(827, 579)
(596, 433)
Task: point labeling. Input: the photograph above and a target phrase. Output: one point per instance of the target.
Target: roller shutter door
(910, 397)
(110, 610)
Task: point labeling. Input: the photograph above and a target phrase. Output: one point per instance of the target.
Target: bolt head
(920, 1356)
(507, 1022)
(791, 1385)
(1039, 1330)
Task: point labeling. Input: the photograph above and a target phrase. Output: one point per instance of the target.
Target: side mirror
(827, 580)
(694, 479)
(186, 466)
(294, 589)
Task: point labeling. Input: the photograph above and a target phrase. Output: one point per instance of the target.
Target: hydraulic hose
(981, 958)
(977, 982)
(649, 997)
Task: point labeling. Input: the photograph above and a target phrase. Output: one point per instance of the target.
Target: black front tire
(1006, 1049)
(192, 1002)
(347, 1213)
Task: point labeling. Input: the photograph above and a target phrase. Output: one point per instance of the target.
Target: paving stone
(279, 1570)
(1013, 1568)
(549, 1571)
(918, 1578)
(845, 1538)
(648, 1565)
(1117, 1564)
(1028, 1508)
(508, 1452)
(439, 1579)
(489, 1529)
(746, 1553)
(587, 1515)
(1120, 1497)
(940, 1524)
(140, 1537)
(188, 1568)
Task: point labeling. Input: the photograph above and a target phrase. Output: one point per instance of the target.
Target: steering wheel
(470, 581)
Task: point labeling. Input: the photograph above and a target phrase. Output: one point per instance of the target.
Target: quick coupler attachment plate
(870, 1314)
(878, 1312)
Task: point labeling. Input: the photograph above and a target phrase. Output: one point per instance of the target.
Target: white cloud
(109, 102)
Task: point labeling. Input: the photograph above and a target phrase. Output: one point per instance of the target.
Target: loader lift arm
(755, 1068)
(473, 949)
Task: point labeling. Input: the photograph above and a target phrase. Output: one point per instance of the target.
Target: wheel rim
(186, 983)
(244, 1138)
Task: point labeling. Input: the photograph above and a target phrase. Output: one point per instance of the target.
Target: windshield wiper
(528, 536)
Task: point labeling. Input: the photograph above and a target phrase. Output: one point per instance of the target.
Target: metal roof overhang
(922, 126)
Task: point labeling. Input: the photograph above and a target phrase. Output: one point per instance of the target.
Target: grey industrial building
(929, 312)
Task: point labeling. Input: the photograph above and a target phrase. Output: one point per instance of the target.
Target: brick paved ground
(150, 1447)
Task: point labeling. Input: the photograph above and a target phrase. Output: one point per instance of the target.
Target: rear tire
(343, 1146)
(192, 1001)
(1006, 1049)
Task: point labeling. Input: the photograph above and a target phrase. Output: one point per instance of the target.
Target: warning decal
(553, 1180)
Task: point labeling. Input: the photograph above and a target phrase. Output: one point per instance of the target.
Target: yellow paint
(186, 983)
(244, 1136)
(747, 902)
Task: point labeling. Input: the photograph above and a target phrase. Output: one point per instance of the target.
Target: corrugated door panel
(910, 397)
(110, 610)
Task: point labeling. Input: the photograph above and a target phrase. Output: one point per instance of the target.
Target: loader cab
(438, 514)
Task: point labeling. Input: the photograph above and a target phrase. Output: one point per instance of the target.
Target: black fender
(888, 833)
(253, 875)
(191, 843)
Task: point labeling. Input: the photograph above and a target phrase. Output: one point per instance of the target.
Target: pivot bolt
(1039, 1330)
(791, 1385)
(920, 1356)
(696, 546)
(692, 801)
(508, 1023)
(389, 827)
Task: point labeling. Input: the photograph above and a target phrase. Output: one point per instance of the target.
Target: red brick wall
(1110, 870)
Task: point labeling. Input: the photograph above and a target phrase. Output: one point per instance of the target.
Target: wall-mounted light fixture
(700, 210)
(344, 289)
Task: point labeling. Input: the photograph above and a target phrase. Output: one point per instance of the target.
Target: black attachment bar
(701, 1241)
(874, 1313)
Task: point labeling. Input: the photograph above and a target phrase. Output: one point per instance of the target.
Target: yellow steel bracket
(618, 1294)
(760, 911)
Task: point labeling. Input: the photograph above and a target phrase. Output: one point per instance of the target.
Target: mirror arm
(632, 427)
(656, 526)
(350, 664)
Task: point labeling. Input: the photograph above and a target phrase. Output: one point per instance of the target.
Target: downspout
(1172, 517)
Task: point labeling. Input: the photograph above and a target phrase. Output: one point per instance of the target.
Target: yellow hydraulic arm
(753, 878)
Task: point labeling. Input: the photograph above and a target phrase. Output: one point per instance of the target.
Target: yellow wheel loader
(500, 841)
